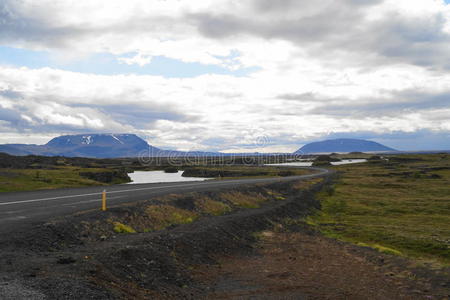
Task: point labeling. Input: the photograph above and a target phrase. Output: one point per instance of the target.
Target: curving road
(25, 208)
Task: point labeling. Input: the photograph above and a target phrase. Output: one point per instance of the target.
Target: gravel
(14, 290)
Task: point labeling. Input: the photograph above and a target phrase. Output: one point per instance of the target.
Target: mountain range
(130, 145)
(86, 145)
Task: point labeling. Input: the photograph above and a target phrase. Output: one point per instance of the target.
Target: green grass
(396, 207)
(13, 180)
(211, 207)
(122, 228)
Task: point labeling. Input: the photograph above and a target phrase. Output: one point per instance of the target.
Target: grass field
(13, 180)
(400, 206)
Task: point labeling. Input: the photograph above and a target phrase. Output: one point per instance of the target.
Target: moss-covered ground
(399, 206)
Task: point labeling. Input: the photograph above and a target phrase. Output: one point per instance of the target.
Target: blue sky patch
(108, 64)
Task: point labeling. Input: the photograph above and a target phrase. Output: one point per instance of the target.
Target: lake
(309, 164)
(160, 176)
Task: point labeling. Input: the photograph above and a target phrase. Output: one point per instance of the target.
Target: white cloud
(227, 110)
(338, 32)
(328, 66)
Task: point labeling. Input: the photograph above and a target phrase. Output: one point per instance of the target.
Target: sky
(227, 75)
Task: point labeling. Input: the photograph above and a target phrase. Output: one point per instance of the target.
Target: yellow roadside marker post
(104, 200)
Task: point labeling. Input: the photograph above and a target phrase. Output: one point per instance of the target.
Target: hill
(343, 146)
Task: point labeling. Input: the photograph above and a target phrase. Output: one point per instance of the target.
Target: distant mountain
(86, 145)
(130, 145)
(106, 146)
(343, 145)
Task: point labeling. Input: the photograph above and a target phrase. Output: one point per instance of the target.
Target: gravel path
(14, 290)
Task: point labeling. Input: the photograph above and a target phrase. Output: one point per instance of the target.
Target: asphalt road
(27, 208)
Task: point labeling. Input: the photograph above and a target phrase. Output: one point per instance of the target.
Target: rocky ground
(259, 253)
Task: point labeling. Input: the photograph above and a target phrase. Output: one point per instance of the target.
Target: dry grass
(250, 200)
(177, 209)
(304, 184)
(162, 216)
(211, 207)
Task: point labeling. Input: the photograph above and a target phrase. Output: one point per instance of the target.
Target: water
(349, 161)
(160, 176)
(309, 164)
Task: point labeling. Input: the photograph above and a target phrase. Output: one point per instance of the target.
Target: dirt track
(301, 265)
(204, 260)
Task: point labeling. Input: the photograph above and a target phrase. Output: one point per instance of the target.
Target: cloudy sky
(228, 75)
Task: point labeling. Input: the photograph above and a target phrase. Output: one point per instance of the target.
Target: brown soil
(299, 265)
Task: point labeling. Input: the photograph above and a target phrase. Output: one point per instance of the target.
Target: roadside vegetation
(175, 209)
(238, 171)
(399, 206)
(122, 228)
(162, 216)
(178, 209)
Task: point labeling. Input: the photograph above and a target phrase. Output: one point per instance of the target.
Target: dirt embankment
(89, 255)
(293, 262)
(125, 253)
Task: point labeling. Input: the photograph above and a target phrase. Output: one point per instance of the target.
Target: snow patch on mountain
(114, 137)
(87, 140)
